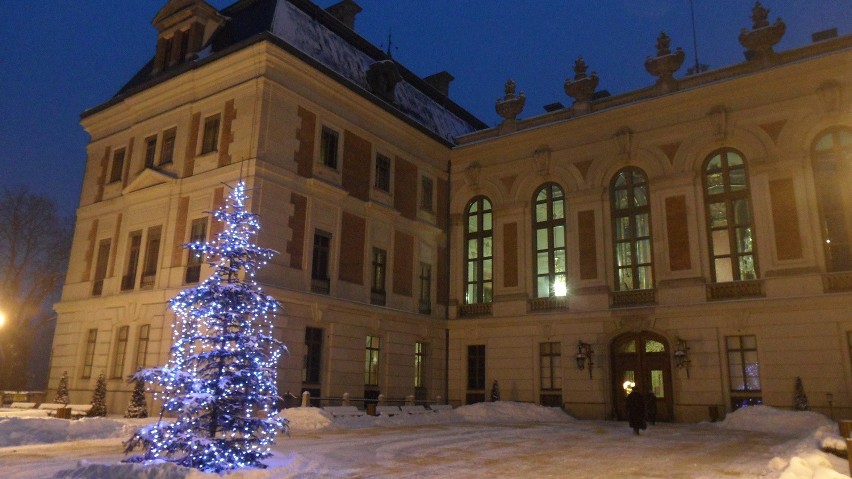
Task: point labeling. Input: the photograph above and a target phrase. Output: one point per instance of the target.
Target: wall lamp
(584, 354)
(681, 355)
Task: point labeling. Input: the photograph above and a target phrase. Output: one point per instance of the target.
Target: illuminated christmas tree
(220, 379)
(62, 390)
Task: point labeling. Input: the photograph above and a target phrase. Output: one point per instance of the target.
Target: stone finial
(582, 88)
(665, 63)
(509, 107)
(759, 41)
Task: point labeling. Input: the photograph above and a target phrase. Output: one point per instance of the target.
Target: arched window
(631, 230)
(549, 242)
(479, 242)
(729, 221)
(831, 176)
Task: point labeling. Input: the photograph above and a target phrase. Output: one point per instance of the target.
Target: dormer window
(185, 26)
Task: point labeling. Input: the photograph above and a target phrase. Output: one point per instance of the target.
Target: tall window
(150, 151)
(419, 364)
(120, 352)
(371, 363)
(328, 147)
(152, 254)
(101, 267)
(549, 241)
(744, 370)
(313, 356)
(210, 137)
(383, 173)
(832, 177)
(475, 373)
(377, 287)
(167, 149)
(426, 194)
(319, 264)
(425, 304)
(89, 357)
(134, 243)
(142, 346)
(631, 218)
(550, 357)
(117, 168)
(479, 239)
(197, 234)
(729, 223)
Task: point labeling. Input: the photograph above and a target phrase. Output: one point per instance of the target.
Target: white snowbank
(512, 412)
(23, 431)
(307, 418)
(773, 420)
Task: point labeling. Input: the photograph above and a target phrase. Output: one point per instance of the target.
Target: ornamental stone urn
(759, 41)
(509, 107)
(582, 88)
(665, 63)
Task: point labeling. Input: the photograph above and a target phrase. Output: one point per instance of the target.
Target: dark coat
(636, 410)
(651, 407)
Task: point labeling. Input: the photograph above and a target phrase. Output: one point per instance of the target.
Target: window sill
(735, 289)
(476, 309)
(634, 297)
(547, 304)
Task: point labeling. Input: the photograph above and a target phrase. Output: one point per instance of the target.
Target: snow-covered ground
(489, 440)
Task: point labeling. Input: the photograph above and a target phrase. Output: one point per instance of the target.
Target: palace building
(692, 238)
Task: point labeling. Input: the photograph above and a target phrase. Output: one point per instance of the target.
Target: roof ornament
(582, 88)
(382, 78)
(509, 107)
(759, 41)
(665, 63)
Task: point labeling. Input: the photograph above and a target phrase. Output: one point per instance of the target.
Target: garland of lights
(220, 379)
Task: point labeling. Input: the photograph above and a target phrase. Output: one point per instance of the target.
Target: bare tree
(34, 245)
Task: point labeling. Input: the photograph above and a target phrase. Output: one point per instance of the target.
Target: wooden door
(641, 360)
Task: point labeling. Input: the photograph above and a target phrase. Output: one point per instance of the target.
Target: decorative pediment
(178, 12)
(146, 179)
(185, 26)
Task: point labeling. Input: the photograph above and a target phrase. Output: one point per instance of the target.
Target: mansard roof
(318, 38)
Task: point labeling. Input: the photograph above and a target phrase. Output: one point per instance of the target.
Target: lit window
(631, 218)
(478, 234)
(729, 221)
(419, 364)
(744, 370)
(551, 277)
(371, 364)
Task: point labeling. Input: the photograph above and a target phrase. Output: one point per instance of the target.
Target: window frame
(210, 133)
(383, 173)
(329, 155)
(476, 367)
(120, 352)
(420, 355)
(131, 270)
(728, 197)
(831, 177)
(427, 194)
(194, 259)
(378, 279)
(101, 266)
(549, 225)
(424, 305)
(119, 158)
(321, 262)
(142, 342)
(372, 361)
(312, 359)
(480, 292)
(167, 146)
(631, 238)
(89, 353)
(150, 151)
(151, 259)
(554, 367)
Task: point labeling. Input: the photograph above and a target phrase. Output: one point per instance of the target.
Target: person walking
(636, 410)
(651, 407)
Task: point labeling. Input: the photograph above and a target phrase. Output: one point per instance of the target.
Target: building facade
(690, 238)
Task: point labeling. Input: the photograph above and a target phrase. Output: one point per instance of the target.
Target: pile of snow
(512, 412)
(307, 418)
(778, 421)
(23, 431)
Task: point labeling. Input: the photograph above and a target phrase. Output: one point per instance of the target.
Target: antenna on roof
(390, 47)
(699, 67)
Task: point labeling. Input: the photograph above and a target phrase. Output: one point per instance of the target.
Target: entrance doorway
(641, 360)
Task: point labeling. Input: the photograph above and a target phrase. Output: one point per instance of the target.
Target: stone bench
(387, 410)
(343, 411)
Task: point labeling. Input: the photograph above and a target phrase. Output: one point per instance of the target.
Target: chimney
(440, 81)
(345, 12)
(824, 35)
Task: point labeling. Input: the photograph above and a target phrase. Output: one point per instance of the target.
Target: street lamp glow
(2, 319)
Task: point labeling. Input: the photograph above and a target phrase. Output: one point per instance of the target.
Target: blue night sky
(58, 58)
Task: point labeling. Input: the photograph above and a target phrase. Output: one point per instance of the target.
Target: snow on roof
(307, 34)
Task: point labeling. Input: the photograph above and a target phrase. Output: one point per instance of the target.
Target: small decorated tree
(495, 391)
(62, 390)
(138, 405)
(800, 400)
(220, 379)
(99, 398)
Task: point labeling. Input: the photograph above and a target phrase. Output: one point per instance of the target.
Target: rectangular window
(426, 196)
(425, 304)
(142, 346)
(419, 364)
(101, 267)
(551, 366)
(117, 170)
(313, 356)
(197, 234)
(150, 151)
(152, 254)
(377, 288)
(210, 138)
(134, 243)
(319, 264)
(383, 173)
(167, 149)
(371, 364)
(89, 358)
(120, 351)
(744, 370)
(328, 147)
